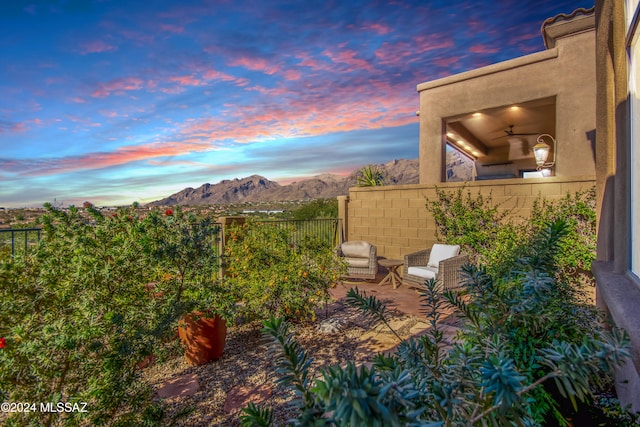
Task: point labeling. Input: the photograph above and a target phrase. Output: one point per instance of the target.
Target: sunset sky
(116, 101)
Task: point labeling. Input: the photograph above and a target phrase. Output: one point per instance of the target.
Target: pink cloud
(7, 127)
(307, 60)
(523, 37)
(172, 90)
(377, 28)
(109, 113)
(177, 29)
(480, 48)
(123, 155)
(12, 127)
(348, 57)
(117, 86)
(212, 74)
(446, 62)
(97, 46)
(378, 105)
(292, 75)
(79, 100)
(187, 80)
(255, 64)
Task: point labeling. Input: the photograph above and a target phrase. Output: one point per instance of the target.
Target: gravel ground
(246, 364)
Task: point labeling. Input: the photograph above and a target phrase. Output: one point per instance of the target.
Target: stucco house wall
(565, 71)
(618, 288)
(395, 218)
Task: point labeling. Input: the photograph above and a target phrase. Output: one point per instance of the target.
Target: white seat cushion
(440, 252)
(426, 272)
(356, 249)
(357, 262)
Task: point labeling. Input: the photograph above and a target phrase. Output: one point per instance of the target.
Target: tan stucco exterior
(618, 290)
(396, 220)
(565, 72)
(586, 72)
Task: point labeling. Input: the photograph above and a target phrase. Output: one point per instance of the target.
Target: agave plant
(370, 176)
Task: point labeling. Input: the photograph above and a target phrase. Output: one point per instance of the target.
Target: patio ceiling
(511, 128)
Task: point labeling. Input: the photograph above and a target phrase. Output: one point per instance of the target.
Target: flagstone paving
(222, 388)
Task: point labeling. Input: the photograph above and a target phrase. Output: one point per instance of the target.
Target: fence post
(343, 215)
(226, 221)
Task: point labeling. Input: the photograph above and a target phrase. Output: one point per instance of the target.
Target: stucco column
(343, 215)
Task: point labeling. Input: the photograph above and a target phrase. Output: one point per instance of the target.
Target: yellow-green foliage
(275, 277)
(489, 235)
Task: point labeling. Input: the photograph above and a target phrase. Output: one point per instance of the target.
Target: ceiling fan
(510, 132)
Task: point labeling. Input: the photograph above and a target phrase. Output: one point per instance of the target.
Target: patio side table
(393, 277)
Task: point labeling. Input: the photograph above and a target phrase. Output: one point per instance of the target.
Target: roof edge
(562, 25)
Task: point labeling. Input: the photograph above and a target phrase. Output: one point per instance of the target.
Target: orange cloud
(121, 156)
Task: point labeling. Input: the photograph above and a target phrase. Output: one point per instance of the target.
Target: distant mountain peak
(257, 188)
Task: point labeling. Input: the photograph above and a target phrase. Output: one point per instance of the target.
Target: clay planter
(203, 338)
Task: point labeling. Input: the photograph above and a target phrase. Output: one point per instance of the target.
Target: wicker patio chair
(441, 262)
(362, 262)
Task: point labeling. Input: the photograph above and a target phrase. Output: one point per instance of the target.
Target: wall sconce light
(541, 152)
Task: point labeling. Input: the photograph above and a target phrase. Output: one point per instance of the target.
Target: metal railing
(327, 231)
(19, 238)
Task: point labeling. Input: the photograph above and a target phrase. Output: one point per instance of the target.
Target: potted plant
(184, 252)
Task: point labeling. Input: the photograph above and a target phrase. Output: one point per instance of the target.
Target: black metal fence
(327, 231)
(19, 239)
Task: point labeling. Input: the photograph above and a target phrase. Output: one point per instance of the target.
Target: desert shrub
(476, 224)
(319, 208)
(75, 319)
(96, 297)
(578, 249)
(481, 379)
(488, 234)
(274, 276)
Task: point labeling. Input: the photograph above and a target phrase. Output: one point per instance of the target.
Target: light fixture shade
(541, 153)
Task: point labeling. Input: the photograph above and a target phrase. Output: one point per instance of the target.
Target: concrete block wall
(395, 218)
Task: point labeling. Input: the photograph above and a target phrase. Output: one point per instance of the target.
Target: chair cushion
(356, 249)
(357, 262)
(426, 272)
(440, 252)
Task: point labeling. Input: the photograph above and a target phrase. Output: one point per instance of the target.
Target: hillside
(256, 188)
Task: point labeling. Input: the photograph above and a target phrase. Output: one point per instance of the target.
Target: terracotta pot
(203, 338)
(147, 361)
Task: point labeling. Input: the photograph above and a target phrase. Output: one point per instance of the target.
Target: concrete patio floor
(404, 298)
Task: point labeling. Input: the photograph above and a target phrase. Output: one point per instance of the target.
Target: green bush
(319, 208)
(490, 235)
(484, 378)
(481, 228)
(274, 276)
(75, 318)
(96, 297)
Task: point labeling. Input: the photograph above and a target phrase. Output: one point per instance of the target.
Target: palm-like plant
(370, 176)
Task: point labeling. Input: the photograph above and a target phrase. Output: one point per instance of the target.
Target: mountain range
(256, 188)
